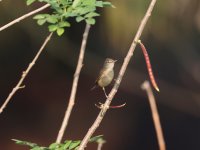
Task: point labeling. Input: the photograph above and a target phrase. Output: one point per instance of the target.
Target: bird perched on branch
(106, 75)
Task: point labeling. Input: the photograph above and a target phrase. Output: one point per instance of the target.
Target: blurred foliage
(67, 145)
(65, 9)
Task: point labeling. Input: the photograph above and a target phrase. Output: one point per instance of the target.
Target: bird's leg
(105, 92)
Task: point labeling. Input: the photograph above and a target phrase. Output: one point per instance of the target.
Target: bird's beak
(115, 60)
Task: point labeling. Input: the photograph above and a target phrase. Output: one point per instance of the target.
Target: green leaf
(79, 18)
(52, 28)
(64, 24)
(19, 142)
(108, 4)
(54, 146)
(52, 19)
(95, 138)
(39, 148)
(89, 2)
(29, 2)
(40, 16)
(60, 31)
(92, 14)
(76, 3)
(99, 4)
(41, 21)
(67, 143)
(74, 144)
(90, 21)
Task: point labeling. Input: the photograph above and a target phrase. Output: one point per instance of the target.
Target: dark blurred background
(35, 113)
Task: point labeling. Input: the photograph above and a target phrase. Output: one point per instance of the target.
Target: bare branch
(155, 115)
(24, 16)
(119, 78)
(74, 85)
(100, 145)
(25, 73)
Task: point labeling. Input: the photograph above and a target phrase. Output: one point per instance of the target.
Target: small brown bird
(106, 74)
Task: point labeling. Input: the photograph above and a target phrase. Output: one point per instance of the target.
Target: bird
(106, 75)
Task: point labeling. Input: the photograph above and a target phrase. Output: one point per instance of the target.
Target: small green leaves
(74, 144)
(91, 14)
(103, 4)
(42, 18)
(19, 142)
(60, 31)
(64, 9)
(67, 145)
(90, 21)
(96, 138)
(79, 18)
(76, 3)
(59, 27)
(52, 28)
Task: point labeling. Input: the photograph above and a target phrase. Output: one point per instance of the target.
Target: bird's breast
(106, 78)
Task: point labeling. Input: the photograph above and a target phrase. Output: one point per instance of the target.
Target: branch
(146, 86)
(74, 85)
(119, 78)
(100, 145)
(25, 73)
(24, 16)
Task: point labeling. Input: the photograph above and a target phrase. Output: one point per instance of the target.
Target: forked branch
(25, 73)
(111, 95)
(74, 85)
(155, 115)
(24, 16)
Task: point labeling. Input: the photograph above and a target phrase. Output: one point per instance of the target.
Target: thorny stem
(106, 105)
(155, 115)
(74, 85)
(24, 16)
(25, 73)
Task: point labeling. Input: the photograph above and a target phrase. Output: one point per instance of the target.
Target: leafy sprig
(62, 10)
(67, 145)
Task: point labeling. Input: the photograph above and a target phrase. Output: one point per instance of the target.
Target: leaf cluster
(67, 145)
(62, 10)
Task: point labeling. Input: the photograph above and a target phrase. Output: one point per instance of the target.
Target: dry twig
(100, 145)
(74, 85)
(24, 16)
(155, 115)
(25, 73)
(106, 105)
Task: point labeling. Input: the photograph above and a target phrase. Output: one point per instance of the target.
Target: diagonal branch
(146, 86)
(24, 16)
(111, 95)
(74, 85)
(25, 73)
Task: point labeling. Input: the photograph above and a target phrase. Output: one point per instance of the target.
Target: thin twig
(119, 78)
(25, 73)
(24, 16)
(100, 145)
(155, 115)
(74, 85)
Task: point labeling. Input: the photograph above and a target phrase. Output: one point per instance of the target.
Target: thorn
(118, 106)
(21, 87)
